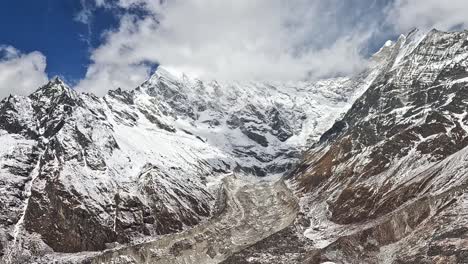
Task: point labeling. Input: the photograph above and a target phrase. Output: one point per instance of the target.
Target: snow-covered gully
(253, 212)
(20, 224)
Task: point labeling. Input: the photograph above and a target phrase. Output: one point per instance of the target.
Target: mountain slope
(82, 173)
(387, 183)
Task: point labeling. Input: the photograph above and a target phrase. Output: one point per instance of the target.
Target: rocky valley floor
(253, 211)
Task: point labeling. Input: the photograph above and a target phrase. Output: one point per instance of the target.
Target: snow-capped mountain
(388, 182)
(180, 170)
(82, 173)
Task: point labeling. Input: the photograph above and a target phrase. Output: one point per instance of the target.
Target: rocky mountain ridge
(387, 183)
(82, 173)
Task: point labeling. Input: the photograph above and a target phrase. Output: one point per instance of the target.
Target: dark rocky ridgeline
(388, 182)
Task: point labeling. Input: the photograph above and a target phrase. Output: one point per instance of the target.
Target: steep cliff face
(387, 183)
(83, 173)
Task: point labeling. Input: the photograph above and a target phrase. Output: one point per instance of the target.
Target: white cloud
(100, 78)
(243, 39)
(427, 14)
(20, 73)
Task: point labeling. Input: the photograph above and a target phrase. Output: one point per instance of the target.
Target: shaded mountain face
(387, 183)
(82, 173)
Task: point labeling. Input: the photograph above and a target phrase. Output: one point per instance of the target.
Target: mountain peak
(57, 80)
(164, 73)
(55, 88)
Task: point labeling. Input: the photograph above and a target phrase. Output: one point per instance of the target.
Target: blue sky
(97, 45)
(48, 26)
(52, 28)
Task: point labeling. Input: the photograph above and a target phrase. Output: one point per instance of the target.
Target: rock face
(387, 183)
(83, 173)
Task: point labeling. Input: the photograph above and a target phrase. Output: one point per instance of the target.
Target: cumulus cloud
(102, 77)
(427, 14)
(243, 39)
(20, 73)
